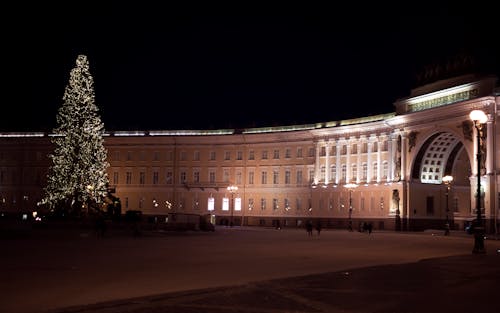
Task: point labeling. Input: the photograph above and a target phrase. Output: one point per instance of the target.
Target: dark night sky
(175, 67)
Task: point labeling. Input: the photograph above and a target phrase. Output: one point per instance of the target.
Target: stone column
(369, 160)
(316, 166)
(337, 162)
(327, 163)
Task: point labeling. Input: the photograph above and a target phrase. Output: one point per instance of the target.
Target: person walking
(318, 228)
(309, 228)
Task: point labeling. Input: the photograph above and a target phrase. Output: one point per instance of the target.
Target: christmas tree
(77, 179)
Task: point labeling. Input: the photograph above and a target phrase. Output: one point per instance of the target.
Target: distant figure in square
(309, 228)
(318, 228)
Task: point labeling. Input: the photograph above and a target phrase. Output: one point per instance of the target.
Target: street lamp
(447, 181)
(350, 187)
(479, 118)
(232, 189)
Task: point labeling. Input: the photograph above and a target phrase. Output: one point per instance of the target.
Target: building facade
(386, 169)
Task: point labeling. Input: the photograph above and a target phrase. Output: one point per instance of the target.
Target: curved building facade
(387, 169)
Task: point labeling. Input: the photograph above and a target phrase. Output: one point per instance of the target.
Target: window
(212, 155)
(299, 152)
(196, 156)
(276, 154)
(227, 155)
(226, 175)
(311, 152)
(251, 155)
(251, 178)
(311, 176)
(264, 155)
(169, 178)
(298, 204)
(250, 204)
(169, 155)
(129, 155)
(239, 176)
(239, 155)
(263, 178)
(115, 178)
(128, 178)
(183, 177)
(287, 177)
(196, 177)
(275, 204)
(365, 147)
(365, 171)
(375, 170)
(375, 147)
(322, 151)
(183, 156)
(142, 178)
(211, 177)
(276, 176)
(155, 178)
(263, 204)
(156, 156)
(333, 172)
(322, 173)
(354, 149)
(288, 153)
(299, 177)
(343, 173)
(385, 170)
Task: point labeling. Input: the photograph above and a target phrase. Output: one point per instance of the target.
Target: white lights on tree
(78, 176)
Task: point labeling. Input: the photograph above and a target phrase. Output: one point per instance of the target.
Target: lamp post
(232, 189)
(350, 187)
(447, 181)
(479, 118)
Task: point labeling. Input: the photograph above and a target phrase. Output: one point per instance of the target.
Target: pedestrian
(318, 228)
(309, 228)
(369, 227)
(447, 229)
